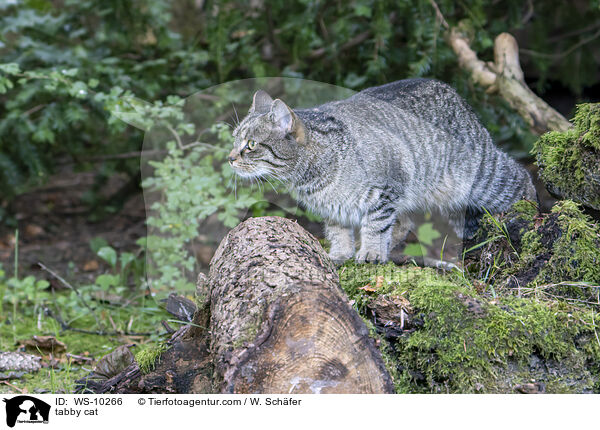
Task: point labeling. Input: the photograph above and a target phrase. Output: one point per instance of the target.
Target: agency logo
(26, 409)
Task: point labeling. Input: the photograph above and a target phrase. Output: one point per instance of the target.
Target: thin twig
(176, 135)
(14, 387)
(79, 357)
(356, 40)
(529, 14)
(72, 288)
(34, 109)
(206, 145)
(125, 155)
(439, 15)
(560, 55)
(572, 33)
(65, 326)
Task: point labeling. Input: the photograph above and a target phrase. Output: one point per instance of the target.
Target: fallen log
(280, 322)
(272, 319)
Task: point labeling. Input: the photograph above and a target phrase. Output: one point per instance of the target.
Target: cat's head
(267, 139)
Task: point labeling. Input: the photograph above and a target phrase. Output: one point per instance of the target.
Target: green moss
(525, 210)
(554, 254)
(577, 251)
(459, 341)
(387, 353)
(569, 161)
(568, 241)
(149, 356)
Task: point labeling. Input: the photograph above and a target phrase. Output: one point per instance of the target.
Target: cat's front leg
(376, 236)
(342, 242)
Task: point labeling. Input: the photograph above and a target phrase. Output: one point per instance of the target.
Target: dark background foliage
(76, 58)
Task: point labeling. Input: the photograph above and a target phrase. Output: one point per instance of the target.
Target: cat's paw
(370, 256)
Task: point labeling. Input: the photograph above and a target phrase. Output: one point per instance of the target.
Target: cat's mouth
(246, 171)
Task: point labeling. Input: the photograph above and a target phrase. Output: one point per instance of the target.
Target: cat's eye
(251, 144)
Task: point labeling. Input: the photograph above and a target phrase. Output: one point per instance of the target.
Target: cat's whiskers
(267, 179)
(236, 114)
(259, 181)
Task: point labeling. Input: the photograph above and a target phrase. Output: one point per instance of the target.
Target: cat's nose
(232, 156)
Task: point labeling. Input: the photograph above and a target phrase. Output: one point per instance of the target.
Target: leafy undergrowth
(443, 333)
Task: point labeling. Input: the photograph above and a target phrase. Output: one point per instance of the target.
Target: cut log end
(311, 343)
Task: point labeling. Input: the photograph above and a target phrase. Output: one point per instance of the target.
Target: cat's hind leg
(342, 242)
(466, 223)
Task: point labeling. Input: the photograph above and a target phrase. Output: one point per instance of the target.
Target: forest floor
(56, 228)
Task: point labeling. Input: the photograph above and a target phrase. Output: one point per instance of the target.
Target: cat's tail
(502, 183)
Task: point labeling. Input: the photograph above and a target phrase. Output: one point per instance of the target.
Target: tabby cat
(371, 161)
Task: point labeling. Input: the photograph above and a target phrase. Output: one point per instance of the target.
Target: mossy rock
(450, 335)
(555, 254)
(569, 161)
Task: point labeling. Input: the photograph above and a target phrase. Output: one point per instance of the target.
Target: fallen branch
(279, 322)
(504, 76)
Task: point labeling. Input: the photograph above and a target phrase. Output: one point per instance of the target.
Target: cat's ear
(282, 115)
(261, 102)
(287, 120)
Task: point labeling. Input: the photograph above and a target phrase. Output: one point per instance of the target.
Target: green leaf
(70, 72)
(96, 243)
(106, 281)
(427, 234)
(109, 255)
(5, 85)
(353, 80)
(362, 10)
(126, 258)
(413, 250)
(10, 68)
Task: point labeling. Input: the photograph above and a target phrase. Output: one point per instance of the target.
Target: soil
(55, 228)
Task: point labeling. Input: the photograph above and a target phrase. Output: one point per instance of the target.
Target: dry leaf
(91, 266)
(45, 345)
(33, 230)
(379, 280)
(114, 363)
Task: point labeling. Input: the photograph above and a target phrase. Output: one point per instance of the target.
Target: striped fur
(371, 161)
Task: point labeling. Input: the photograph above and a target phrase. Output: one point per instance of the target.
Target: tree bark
(280, 322)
